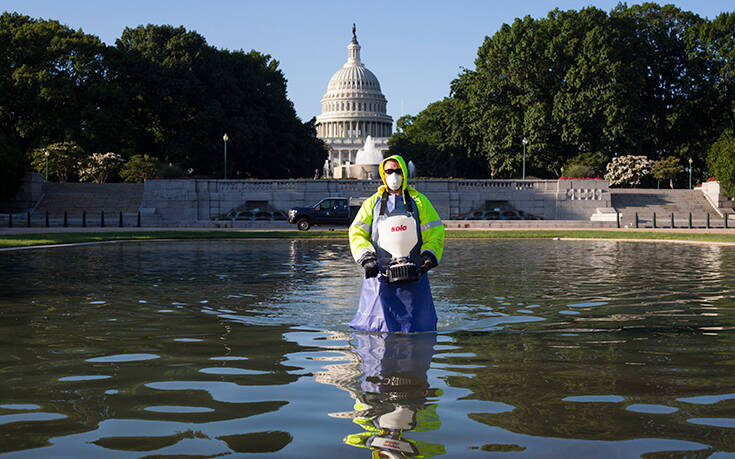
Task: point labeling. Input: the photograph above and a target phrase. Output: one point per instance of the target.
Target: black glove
(371, 267)
(429, 262)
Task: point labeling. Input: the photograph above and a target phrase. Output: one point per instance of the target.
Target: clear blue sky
(415, 48)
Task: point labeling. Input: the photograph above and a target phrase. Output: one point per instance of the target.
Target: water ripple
(120, 358)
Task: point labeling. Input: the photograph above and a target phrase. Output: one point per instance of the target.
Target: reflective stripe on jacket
(432, 228)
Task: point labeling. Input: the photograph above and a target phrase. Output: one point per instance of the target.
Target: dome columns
(354, 129)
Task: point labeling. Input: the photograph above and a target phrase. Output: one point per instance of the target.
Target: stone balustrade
(193, 200)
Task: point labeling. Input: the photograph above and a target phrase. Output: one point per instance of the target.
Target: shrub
(721, 161)
(594, 160)
(667, 169)
(578, 171)
(169, 171)
(140, 168)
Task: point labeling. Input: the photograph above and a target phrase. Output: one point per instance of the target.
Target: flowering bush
(99, 166)
(628, 170)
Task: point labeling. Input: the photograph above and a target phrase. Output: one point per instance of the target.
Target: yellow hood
(402, 163)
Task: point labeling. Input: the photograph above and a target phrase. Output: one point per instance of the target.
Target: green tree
(53, 83)
(667, 82)
(650, 79)
(426, 139)
(721, 161)
(667, 169)
(546, 80)
(140, 168)
(63, 159)
(187, 94)
(713, 43)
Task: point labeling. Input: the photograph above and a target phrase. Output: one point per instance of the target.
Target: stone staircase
(663, 203)
(92, 198)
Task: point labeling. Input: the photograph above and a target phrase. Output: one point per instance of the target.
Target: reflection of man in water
(393, 397)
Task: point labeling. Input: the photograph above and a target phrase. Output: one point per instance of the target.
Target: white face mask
(394, 181)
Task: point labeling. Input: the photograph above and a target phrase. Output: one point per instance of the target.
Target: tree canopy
(184, 95)
(160, 90)
(583, 87)
(642, 80)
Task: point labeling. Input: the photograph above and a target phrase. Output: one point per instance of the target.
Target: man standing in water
(396, 237)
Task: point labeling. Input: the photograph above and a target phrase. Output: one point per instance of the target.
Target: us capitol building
(352, 109)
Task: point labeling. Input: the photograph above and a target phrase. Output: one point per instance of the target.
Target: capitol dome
(353, 108)
(353, 76)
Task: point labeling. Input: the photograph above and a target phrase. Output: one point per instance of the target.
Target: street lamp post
(225, 138)
(45, 153)
(690, 173)
(525, 141)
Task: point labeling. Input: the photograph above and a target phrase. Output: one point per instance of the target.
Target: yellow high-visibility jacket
(432, 228)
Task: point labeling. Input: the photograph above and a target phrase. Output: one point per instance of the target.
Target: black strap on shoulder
(383, 202)
(407, 200)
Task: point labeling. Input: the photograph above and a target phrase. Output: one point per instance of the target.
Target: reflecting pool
(230, 348)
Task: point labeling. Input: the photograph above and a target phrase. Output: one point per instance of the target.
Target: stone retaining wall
(166, 201)
(31, 190)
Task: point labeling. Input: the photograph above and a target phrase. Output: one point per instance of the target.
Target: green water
(232, 348)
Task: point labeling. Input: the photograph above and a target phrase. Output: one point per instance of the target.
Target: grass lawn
(25, 240)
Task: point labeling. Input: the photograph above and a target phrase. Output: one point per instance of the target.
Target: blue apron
(405, 307)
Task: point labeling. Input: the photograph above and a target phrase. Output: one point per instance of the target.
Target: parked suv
(328, 211)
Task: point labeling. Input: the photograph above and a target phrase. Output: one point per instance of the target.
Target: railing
(19, 220)
(672, 221)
